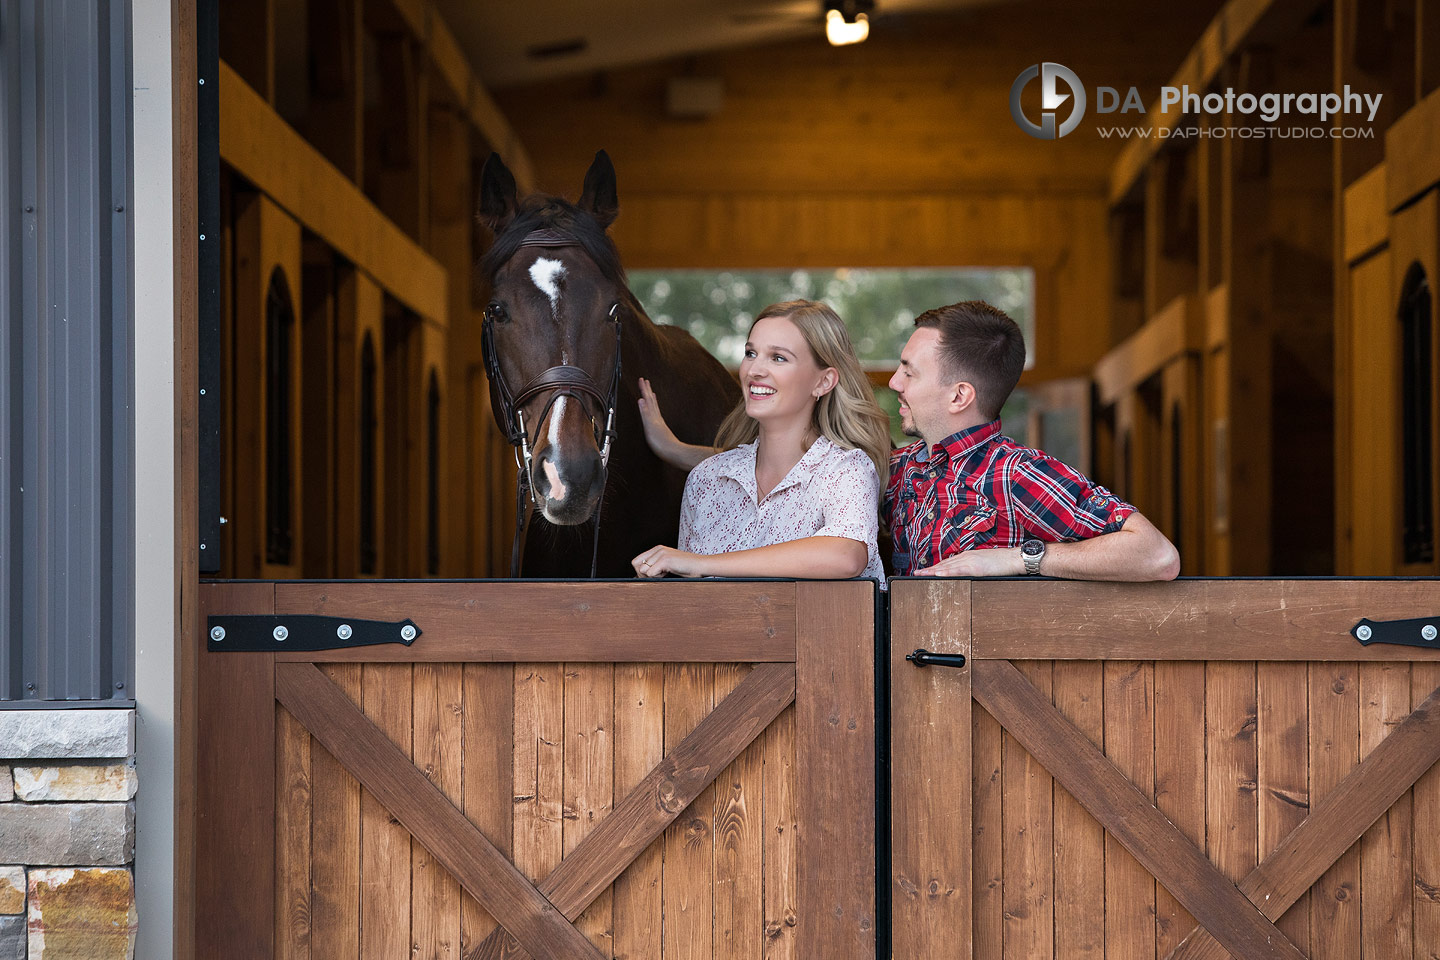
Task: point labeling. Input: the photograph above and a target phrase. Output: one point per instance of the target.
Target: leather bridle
(561, 380)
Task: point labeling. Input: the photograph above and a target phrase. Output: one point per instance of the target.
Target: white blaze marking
(547, 275)
(557, 486)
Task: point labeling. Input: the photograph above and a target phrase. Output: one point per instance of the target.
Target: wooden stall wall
(1201, 769)
(374, 168)
(594, 786)
(1388, 396)
(898, 152)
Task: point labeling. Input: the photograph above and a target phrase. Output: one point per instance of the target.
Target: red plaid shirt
(977, 489)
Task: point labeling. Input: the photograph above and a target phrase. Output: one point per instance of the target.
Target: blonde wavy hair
(848, 415)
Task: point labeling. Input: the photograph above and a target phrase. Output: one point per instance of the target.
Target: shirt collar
(741, 468)
(966, 441)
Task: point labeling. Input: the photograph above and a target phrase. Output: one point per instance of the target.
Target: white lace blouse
(830, 492)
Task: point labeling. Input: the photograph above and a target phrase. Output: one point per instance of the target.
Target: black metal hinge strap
(924, 658)
(263, 633)
(1420, 632)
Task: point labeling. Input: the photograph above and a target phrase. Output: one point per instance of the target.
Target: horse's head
(557, 292)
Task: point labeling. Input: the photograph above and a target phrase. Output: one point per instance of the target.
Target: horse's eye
(497, 312)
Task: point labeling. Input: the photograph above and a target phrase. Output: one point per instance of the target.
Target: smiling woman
(795, 490)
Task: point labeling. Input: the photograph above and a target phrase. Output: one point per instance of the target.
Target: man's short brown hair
(980, 345)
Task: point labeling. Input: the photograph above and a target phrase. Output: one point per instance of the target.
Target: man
(966, 501)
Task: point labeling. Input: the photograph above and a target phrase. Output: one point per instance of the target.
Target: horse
(565, 343)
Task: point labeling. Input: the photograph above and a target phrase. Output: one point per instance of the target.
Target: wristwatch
(1032, 552)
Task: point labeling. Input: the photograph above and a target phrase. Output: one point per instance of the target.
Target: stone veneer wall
(67, 834)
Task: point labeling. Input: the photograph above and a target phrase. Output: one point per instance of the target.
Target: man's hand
(997, 562)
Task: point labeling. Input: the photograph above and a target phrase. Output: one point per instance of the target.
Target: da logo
(1050, 100)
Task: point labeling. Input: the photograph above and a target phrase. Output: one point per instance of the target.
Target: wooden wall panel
(265, 239)
(359, 320)
(1414, 239)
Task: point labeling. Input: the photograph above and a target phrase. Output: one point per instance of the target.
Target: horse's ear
(599, 198)
(497, 194)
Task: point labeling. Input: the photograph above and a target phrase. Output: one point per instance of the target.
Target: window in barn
(432, 486)
(369, 424)
(878, 305)
(279, 327)
(1417, 416)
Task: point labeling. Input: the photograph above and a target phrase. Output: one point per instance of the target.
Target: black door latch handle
(924, 658)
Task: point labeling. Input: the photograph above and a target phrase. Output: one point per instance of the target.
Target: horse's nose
(572, 480)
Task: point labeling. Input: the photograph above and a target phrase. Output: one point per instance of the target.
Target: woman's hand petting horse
(662, 440)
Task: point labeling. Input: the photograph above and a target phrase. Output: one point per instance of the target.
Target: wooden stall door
(644, 770)
(1176, 771)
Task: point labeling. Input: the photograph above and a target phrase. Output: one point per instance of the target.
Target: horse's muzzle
(568, 488)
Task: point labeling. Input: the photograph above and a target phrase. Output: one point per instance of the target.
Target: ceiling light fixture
(847, 21)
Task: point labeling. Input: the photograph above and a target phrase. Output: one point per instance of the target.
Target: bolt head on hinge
(407, 632)
(217, 634)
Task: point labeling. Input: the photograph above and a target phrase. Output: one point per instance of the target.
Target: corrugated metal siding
(66, 437)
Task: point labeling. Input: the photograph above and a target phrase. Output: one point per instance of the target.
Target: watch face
(1032, 548)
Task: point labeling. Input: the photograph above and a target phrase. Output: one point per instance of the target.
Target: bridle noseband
(562, 380)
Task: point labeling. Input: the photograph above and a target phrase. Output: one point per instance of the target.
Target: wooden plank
(987, 820)
(488, 775)
(1194, 619)
(386, 772)
(835, 761)
(738, 896)
(1173, 331)
(639, 747)
(270, 154)
(384, 842)
(1079, 694)
(1386, 868)
(1412, 146)
(1028, 855)
(1425, 798)
(1282, 746)
(539, 771)
(235, 803)
(689, 849)
(1130, 747)
(438, 743)
(1337, 821)
(589, 797)
(292, 838)
(1179, 776)
(1367, 216)
(930, 769)
(1372, 457)
(780, 912)
(1232, 817)
(1125, 812)
(448, 58)
(476, 622)
(335, 854)
(1334, 752)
